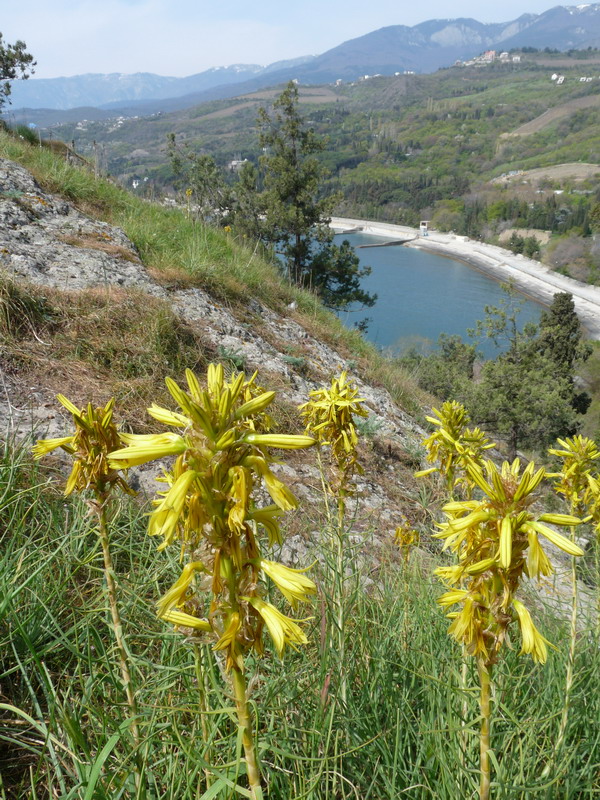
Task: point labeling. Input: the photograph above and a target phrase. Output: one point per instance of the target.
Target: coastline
(529, 277)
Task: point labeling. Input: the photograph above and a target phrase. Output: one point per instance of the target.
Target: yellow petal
(292, 583)
(506, 534)
(44, 446)
(168, 417)
(68, 404)
(146, 448)
(564, 544)
(281, 440)
(182, 620)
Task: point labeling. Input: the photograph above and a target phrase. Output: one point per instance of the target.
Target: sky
(183, 37)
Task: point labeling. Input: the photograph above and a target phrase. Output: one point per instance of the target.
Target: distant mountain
(397, 48)
(117, 89)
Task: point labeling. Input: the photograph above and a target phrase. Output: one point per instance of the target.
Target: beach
(529, 277)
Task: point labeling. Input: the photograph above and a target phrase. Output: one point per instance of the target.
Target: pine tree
(296, 217)
(15, 62)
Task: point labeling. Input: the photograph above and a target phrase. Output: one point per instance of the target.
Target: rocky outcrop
(46, 241)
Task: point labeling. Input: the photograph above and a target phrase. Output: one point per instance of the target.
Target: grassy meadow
(63, 721)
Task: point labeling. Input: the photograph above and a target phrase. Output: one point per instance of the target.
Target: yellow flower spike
(164, 519)
(282, 629)
(144, 448)
(292, 583)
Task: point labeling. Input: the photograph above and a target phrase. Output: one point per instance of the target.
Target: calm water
(421, 295)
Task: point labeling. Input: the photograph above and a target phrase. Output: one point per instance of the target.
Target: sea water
(421, 295)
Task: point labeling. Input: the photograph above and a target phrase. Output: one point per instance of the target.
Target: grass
(63, 730)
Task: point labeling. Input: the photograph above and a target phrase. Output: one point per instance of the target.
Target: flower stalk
(208, 511)
(329, 417)
(90, 446)
(497, 543)
(577, 483)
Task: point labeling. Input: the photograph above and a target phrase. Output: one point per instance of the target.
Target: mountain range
(422, 48)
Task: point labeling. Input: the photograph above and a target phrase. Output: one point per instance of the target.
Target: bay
(421, 295)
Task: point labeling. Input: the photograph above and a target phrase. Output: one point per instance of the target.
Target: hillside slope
(87, 317)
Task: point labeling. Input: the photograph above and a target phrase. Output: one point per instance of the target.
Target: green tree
(561, 341)
(448, 371)
(521, 395)
(531, 247)
(296, 216)
(248, 206)
(198, 175)
(15, 63)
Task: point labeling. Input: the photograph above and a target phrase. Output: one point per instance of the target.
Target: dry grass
(91, 345)
(95, 241)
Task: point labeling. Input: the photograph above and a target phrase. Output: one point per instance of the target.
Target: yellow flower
(283, 441)
(176, 594)
(144, 448)
(91, 445)
(292, 583)
(182, 620)
(283, 630)
(44, 446)
(532, 640)
(164, 519)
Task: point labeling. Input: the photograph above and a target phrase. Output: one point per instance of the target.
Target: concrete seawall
(529, 277)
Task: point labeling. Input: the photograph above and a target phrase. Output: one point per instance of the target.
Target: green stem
(109, 573)
(241, 702)
(597, 564)
(341, 609)
(484, 671)
(203, 709)
(569, 679)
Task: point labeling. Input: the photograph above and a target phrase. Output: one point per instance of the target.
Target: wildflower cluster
(578, 479)
(453, 444)
(407, 538)
(94, 438)
(222, 454)
(329, 417)
(497, 541)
